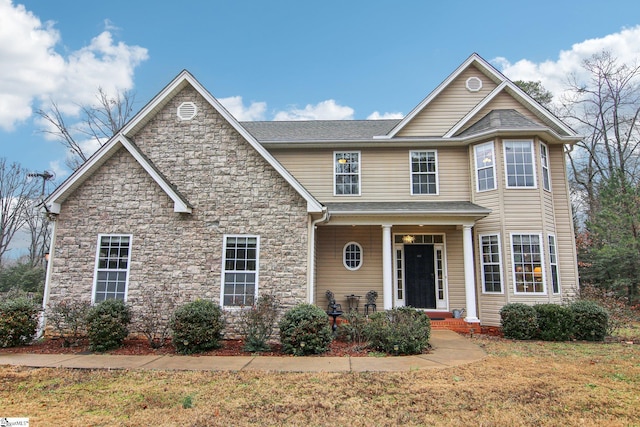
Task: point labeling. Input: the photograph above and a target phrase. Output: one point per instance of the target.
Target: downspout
(312, 252)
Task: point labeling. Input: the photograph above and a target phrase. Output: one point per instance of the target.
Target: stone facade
(232, 189)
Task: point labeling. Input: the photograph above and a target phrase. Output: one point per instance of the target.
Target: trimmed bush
(305, 330)
(107, 325)
(591, 320)
(197, 327)
(18, 322)
(519, 321)
(258, 322)
(402, 330)
(555, 322)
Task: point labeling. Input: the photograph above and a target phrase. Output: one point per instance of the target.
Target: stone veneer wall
(232, 189)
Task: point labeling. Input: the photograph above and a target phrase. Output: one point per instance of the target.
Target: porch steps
(445, 321)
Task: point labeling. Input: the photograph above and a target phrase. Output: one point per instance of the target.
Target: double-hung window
(424, 173)
(553, 263)
(527, 263)
(240, 272)
(346, 173)
(544, 162)
(518, 159)
(485, 167)
(112, 267)
(490, 258)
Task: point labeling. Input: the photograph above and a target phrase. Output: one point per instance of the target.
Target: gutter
(311, 253)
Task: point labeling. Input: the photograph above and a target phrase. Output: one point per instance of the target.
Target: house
(464, 203)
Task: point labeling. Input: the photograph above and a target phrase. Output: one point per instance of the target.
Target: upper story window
(518, 159)
(352, 256)
(424, 174)
(527, 263)
(544, 161)
(240, 273)
(112, 267)
(490, 258)
(485, 167)
(347, 173)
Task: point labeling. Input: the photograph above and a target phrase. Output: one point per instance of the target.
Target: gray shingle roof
(500, 119)
(319, 130)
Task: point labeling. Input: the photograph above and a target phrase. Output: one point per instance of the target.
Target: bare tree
(17, 193)
(606, 110)
(97, 124)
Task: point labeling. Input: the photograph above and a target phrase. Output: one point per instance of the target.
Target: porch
(414, 254)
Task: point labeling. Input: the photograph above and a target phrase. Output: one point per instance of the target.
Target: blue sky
(278, 59)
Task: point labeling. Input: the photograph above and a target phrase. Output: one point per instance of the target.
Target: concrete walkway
(449, 349)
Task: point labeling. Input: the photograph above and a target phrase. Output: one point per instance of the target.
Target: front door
(419, 274)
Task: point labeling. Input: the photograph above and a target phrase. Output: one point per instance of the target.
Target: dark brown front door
(419, 275)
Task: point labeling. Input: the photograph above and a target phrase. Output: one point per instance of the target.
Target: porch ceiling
(406, 213)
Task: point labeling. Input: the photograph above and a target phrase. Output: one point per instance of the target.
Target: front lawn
(519, 383)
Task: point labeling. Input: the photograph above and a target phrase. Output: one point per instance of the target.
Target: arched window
(352, 256)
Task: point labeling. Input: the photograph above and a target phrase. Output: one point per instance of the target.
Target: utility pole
(46, 176)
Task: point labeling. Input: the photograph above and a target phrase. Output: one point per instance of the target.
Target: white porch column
(469, 275)
(387, 267)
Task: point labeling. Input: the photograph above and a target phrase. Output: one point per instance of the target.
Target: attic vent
(187, 111)
(474, 84)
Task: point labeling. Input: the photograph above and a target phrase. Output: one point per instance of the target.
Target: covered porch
(417, 254)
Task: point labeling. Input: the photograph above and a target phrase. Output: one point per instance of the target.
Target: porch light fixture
(407, 238)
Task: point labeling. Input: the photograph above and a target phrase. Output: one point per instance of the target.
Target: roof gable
(54, 201)
(502, 85)
(147, 113)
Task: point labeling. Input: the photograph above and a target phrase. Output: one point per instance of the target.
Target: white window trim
(97, 260)
(551, 264)
(493, 166)
(435, 152)
(533, 165)
(545, 167)
(333, 168)
(502, 282)
(344, 256)
(542, 263)
(223, 269)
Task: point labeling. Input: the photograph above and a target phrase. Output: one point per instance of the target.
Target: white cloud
(255, 111)
(39, 73)
(325, 110)
(377, 116)
(553, 74)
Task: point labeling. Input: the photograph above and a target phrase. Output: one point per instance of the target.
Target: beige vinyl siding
(565, 237)
(331, 274)
(503, 101)
(385, 174)
(451, 105)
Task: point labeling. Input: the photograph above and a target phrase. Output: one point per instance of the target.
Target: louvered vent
(474, 84)
(187, 111)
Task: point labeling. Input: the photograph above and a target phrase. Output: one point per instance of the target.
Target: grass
(519, 383)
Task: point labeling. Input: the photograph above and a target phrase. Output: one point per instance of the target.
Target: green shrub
(305, 330)
(258, 322)
(555, 322)
(18, 322)
(68, 319)
(107, 325)
(197, 327)
(402, 330)
(519, 321)
(591, 320)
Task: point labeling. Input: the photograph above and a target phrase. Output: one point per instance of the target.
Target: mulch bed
(141, 347)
